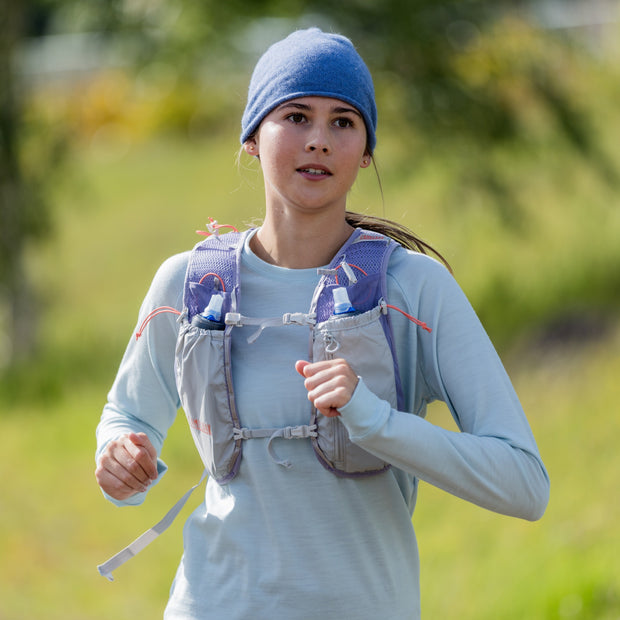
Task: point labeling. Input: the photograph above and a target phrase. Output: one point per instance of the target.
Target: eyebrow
(304, 106)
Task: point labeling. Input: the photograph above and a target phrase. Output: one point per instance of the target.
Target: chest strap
(288, 432)
(288, 318)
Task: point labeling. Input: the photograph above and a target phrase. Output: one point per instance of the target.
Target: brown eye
(343, 123)
(296, 117)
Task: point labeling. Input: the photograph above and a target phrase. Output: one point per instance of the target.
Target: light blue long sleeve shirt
(301, 543)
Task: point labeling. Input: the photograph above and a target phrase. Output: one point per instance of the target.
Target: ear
(366, 160)
(251, 147)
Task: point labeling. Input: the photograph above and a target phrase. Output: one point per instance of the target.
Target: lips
(314, 171)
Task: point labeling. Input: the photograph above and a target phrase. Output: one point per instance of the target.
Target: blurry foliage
(461, 70)
(460, 80)
(459, 75)
(466, 69)
(114, 104)
(30, 154)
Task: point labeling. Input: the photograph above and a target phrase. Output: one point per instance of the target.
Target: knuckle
(124, 480)
(115, 444)
(133, 467)
(309, 384)
(340, 382)
(105, 460)
(342, 366)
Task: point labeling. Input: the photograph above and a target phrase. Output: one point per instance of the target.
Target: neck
(308, 244)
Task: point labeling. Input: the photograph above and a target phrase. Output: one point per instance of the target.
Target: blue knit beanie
(310, 63)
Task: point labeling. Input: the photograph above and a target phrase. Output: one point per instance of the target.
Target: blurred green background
(497, 143)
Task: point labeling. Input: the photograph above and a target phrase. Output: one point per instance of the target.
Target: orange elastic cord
(421, 324)
(153, 314)
(215, 276)
(213, 228)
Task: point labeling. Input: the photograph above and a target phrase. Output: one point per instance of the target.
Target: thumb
(142, 440)
(300, 366)
(139, 439)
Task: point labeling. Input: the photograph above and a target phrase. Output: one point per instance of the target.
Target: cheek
(355, 148)
(355, 157)
(273, 135)
(273, 146)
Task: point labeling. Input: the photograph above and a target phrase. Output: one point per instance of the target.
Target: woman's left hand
(330, 384)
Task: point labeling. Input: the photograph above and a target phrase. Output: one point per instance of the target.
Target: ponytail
(398, 232)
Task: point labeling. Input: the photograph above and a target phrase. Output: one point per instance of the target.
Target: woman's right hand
(127, 466)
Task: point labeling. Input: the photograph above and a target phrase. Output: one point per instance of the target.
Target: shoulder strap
(360, 265)
(214, 266)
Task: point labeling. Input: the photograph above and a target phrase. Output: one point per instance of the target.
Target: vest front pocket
(204, 383)
(361, 341)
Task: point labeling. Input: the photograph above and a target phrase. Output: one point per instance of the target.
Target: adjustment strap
(348, 270)
(289, 318)
(288, 432)
(105, 569)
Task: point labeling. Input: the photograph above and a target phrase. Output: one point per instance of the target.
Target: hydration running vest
(203, 359)
(203, 356)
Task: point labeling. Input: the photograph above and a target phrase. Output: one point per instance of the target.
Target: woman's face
(310, 150)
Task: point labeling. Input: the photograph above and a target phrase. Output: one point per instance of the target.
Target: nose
(318, 141)
(317, 147)
(323, 148)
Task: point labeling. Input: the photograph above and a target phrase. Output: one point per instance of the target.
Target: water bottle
(211, 316)
(342, 303)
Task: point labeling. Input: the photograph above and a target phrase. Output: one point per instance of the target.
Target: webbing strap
(288, 432)
(105, 569)
(289, 318)
(325, 271)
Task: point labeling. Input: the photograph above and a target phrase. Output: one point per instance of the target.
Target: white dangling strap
(105, 569)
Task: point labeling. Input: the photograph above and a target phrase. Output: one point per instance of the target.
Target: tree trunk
(17, 333)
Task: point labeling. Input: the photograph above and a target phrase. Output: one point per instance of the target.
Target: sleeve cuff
(365, 413)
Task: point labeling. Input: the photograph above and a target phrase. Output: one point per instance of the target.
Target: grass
(481, 565)
(125, 211)
(56, 527)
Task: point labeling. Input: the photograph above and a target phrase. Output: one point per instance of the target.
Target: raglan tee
(301, 543)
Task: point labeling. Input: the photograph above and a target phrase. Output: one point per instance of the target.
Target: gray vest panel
(203, 364)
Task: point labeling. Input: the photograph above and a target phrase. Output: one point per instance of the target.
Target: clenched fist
(330, 384)
(127, 466)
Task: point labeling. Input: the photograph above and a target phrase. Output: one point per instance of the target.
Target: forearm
(500, 474)
(143, 398)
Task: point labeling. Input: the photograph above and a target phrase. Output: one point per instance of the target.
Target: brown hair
(395, 231)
